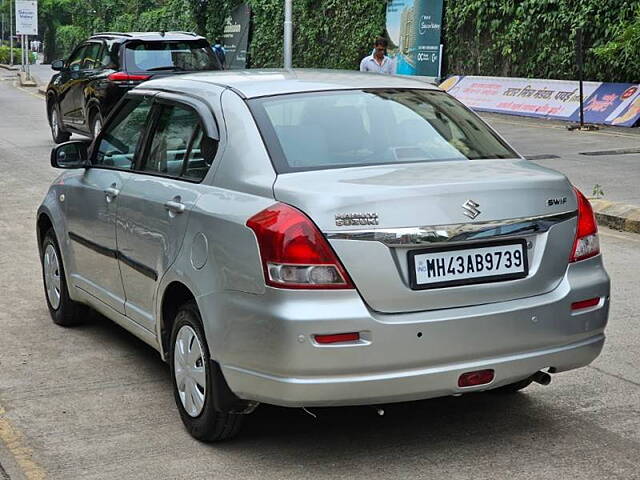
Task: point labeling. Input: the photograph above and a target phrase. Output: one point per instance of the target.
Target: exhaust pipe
(541, 377)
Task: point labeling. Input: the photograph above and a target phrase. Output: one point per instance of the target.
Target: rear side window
(170, 56)
(109, 57)
(336, 129)
(120, 138)
(176, 148)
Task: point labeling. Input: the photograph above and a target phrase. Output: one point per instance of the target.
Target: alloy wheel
(189, 371)
(55, 123)
(97, 126)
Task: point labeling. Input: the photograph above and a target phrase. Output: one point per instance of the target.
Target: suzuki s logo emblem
(471, 209)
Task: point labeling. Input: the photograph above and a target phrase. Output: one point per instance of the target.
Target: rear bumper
(406, 385)
(264, 343)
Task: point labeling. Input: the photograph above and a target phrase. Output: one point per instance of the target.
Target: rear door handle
(174, 206)
(111, 193)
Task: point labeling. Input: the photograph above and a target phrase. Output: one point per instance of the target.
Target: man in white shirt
(378, 62)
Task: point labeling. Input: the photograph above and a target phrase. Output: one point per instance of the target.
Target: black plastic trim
(106, 251)
(109, 252)
(138, 267)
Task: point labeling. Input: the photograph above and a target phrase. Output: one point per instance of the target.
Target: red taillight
(586, 243)
(294, 252)
(592, 302)
(479, 377)
(125, 77)
(337, 338)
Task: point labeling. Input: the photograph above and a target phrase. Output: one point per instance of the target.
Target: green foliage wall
(536, 38)
(528, 38)
(327, 33)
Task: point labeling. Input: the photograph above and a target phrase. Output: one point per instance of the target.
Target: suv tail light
(126, 77)
(586, 243)
(294, 252)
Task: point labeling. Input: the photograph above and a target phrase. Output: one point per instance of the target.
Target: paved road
(95, 403)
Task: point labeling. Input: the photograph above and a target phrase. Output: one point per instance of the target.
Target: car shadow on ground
(444, 424)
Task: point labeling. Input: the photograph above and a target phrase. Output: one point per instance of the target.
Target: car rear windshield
(170, 56)
(312, 131)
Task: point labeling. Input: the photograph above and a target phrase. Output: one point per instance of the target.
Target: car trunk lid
(375, 216)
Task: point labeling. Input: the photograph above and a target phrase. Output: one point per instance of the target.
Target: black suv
(99, 72)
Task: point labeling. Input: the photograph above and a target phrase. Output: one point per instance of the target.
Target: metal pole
(11, 31)
(28, 57)
(440, 63)
(2, 14)
(580, 63)
(288, 33)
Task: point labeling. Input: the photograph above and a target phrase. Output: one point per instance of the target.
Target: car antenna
(162, 33)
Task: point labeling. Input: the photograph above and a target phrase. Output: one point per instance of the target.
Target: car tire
(191, 367)
(64, 311)
(96, 123)
(512, 387)
(55, 122)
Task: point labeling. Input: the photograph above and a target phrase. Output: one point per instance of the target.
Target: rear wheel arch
(92, 111)
(51, 103)
(43, 225)
(93, 107)
(174, 296)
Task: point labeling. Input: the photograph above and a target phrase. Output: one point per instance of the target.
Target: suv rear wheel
(57, 132)
(193, 381)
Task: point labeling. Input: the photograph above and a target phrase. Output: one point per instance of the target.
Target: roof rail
(193, 34)
(111, 33)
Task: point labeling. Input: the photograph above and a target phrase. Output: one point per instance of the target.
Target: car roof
(149, 36)
(260, 83)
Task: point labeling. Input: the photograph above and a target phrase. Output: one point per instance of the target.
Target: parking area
(93, 402)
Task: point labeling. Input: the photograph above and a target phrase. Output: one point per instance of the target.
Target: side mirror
(57, 65)
(73, 154)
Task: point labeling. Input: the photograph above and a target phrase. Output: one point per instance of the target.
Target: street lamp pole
(288, 33)
(11, 31)
(2, 21)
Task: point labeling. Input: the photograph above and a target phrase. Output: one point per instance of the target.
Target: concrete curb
(616, 215)
(9, 67)
(24, 82)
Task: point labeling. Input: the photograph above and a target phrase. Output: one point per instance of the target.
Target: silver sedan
(321, 238)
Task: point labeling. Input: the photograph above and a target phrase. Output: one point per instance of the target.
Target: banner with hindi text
(606, 103)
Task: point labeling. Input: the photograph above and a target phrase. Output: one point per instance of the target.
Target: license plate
(464, 265)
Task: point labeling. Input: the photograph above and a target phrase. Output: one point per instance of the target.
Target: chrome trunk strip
(398, 237)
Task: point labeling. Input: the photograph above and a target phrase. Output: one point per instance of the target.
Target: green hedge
(5, 55)
(67, 38)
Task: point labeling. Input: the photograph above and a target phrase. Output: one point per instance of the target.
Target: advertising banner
(235, 38)
(613, 104)
(607, 103)
(26, 17)
(414, 29)
(520, 96)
